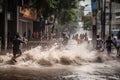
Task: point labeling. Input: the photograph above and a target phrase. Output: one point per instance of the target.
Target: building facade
(15, 18)
(117, 15)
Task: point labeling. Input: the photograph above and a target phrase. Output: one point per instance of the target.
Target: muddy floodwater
(109, 70)
(58, 62)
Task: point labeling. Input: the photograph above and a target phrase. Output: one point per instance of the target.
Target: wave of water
(71, 54)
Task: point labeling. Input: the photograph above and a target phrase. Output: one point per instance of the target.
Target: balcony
(117, 11)
(118, 21)
(117, 17)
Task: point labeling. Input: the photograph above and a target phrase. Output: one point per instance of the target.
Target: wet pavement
(109, 70)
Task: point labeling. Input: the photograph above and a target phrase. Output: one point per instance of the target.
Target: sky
(88, 8)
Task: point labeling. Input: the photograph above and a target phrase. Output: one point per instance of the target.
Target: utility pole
(103, 20)
(5, 24)
(110, 17)
(94, 4)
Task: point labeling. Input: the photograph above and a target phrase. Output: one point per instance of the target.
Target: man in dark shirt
(109, 43)
(16, 47)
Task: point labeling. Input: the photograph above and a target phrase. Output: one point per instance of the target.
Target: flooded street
(70, 62)
(58, 62)
(109, 70)
(60, 40)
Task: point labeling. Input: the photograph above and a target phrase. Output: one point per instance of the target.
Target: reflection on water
(91, 71)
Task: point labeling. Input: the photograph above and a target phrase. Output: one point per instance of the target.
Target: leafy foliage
(64, 11)
(67, 16)
(59, 8)
(88, 22)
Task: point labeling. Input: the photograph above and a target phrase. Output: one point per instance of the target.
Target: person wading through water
(118, 46)
(109, 43)
(16, 47)
(99, 43)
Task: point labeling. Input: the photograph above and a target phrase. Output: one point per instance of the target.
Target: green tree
(63, 11)
(56, 8)
(88, 22)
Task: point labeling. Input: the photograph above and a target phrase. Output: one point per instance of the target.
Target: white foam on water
(70, 54)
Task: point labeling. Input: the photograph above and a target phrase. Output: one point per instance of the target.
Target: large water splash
(70, 54)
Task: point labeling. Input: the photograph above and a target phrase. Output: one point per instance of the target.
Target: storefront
(26, 18)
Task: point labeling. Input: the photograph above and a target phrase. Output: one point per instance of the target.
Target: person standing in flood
(109, 43)
(118, 46)
(16, 47)
(99, 43)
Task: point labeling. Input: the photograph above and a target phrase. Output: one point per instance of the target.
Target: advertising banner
(94, 4)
